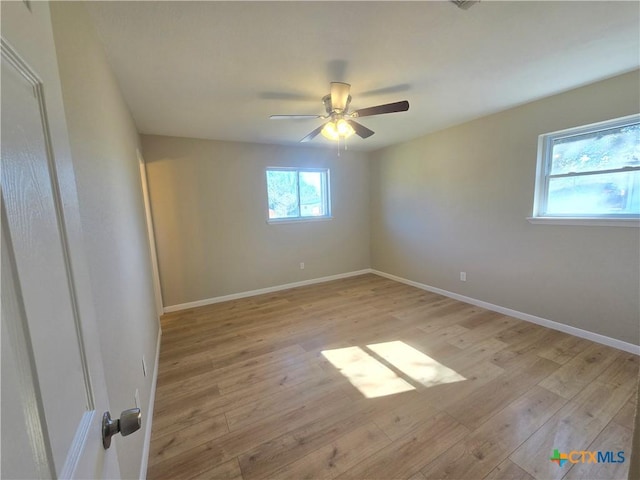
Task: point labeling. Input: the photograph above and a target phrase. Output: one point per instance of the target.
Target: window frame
(326, 194)
(543, 168)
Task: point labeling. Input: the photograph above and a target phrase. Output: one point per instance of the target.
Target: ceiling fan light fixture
(341, 124)
(337, 129)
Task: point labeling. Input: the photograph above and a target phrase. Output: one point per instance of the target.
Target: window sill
(586, 221)
(278, 221)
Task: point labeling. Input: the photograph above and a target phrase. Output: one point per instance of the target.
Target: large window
(298, 193)
(590, 172)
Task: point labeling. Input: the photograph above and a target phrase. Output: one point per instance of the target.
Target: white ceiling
(217, 70)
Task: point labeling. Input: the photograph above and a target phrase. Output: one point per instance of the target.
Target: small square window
(590, 172)
(298, 193)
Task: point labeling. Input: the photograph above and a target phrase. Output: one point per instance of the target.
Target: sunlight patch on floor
(365, 373)
(420, 367)
(374, 379)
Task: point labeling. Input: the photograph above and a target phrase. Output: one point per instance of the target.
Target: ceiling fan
(341, 124)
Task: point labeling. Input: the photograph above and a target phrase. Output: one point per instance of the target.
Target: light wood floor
(247, 390)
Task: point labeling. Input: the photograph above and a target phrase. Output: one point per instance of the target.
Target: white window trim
(327, 194)
(586, 221)
(545, 142)
(299, 220)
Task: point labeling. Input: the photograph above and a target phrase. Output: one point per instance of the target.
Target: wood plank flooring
(368, 378)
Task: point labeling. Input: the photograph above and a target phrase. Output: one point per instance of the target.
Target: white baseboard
(578, 332)
(152, 399)
(262, 291)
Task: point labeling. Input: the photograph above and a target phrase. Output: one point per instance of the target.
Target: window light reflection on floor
(365, 373)
(374, 379)
(420, 367)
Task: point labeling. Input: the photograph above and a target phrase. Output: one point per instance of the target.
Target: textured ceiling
(217, 70)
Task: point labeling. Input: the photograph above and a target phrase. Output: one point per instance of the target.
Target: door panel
(41, 262)
(55, 400)
(25, 452)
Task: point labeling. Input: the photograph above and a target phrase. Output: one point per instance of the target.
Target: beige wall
(457, 200)
(103, 141)
(210, 209)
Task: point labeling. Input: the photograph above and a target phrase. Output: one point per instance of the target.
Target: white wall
(457, 200)
(209, 204)
(103, 140)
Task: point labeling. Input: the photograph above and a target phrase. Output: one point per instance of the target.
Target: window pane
(612, 193)
(282, 192)
(601, 150)
(312, 202)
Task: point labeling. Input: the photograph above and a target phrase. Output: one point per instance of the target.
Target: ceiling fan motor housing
(328, 105)
(340, 96)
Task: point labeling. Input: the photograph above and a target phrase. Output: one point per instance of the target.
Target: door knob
(129, 422)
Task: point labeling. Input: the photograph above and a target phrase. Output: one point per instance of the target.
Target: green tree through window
(297, 193)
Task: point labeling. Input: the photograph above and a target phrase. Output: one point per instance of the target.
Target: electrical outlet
(463, 276)
(144, 366)
(301, 265)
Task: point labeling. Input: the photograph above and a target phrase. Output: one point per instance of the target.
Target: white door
(53, 388)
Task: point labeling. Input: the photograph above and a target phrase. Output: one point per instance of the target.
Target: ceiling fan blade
(361, 130)
(402, 106)
(313, 134)
(293, 117)
(339, 96)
